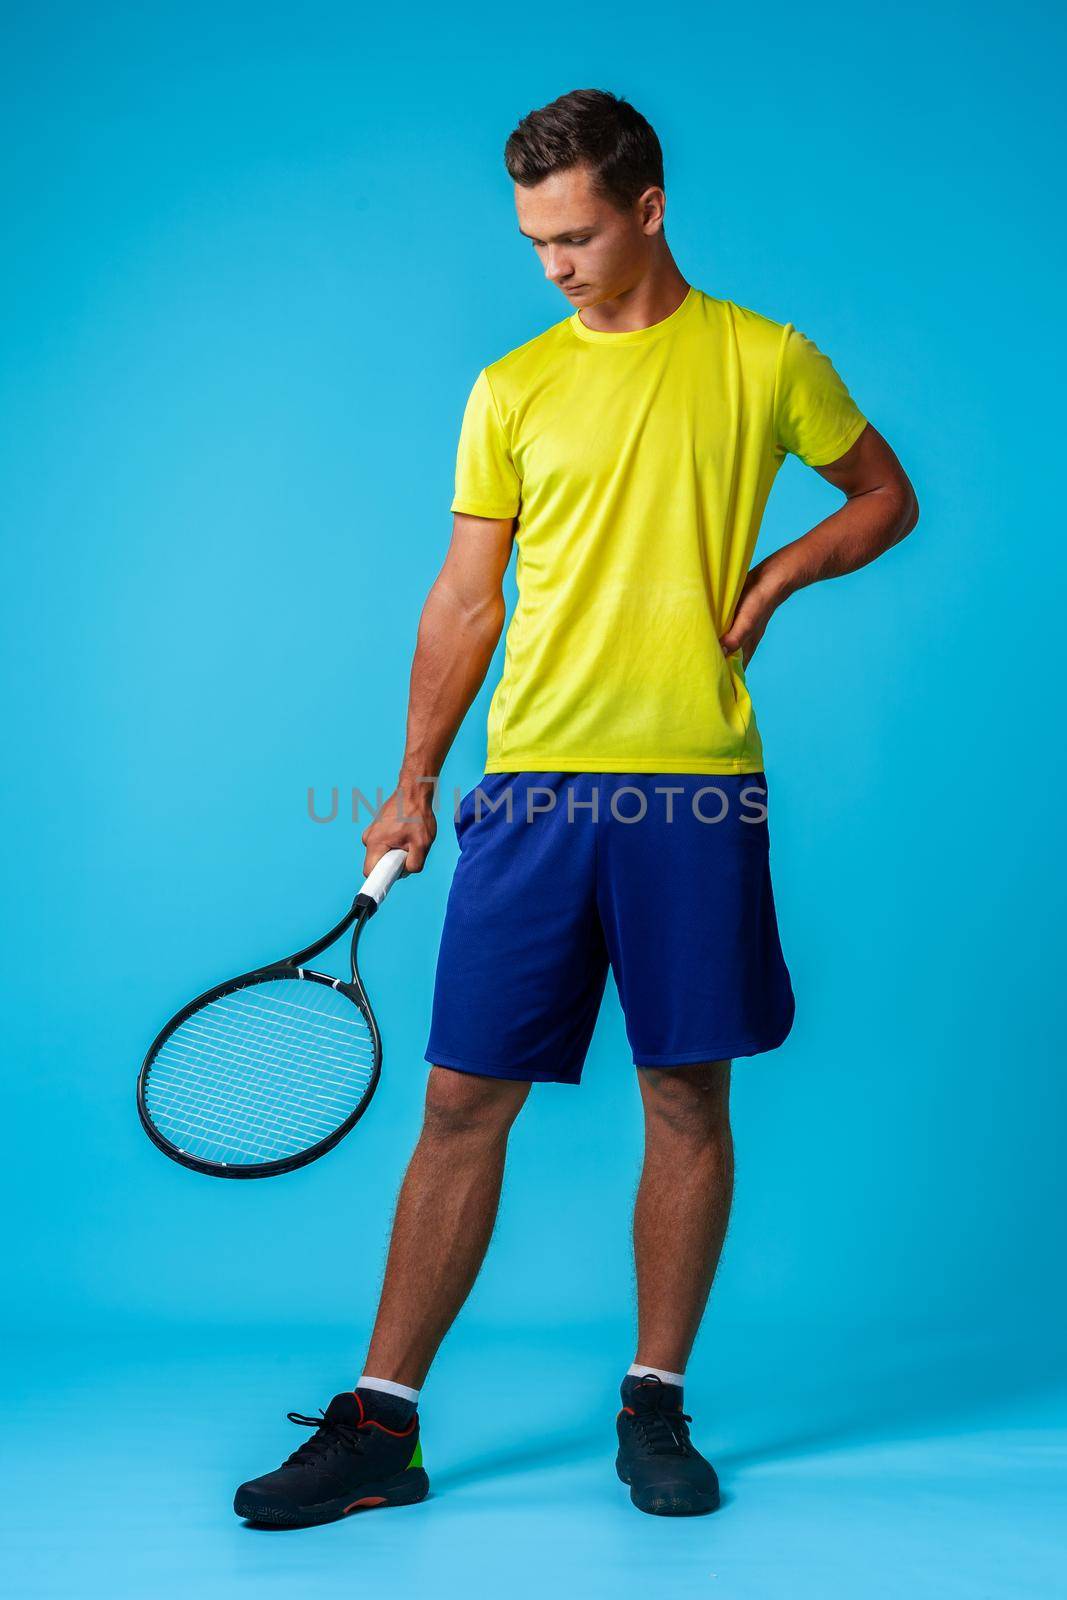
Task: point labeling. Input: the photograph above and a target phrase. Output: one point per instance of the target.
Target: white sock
(387, 1386)
(677, 1378)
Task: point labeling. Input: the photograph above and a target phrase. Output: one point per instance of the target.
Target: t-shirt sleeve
(487, 484)
(815, 417)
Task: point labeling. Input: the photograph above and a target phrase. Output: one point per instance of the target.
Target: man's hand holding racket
(405, 822)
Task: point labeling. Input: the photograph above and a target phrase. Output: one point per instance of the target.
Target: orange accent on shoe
(369, 1422)
(627, 1411)
(368, 1500)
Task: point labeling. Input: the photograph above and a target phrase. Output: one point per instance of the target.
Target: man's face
(586, 245)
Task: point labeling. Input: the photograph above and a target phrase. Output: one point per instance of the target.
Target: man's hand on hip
(760, 599)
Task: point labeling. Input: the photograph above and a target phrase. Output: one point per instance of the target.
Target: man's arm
(458, 632)
(880, 509)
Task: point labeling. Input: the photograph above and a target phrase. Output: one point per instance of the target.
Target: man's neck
(652, 300)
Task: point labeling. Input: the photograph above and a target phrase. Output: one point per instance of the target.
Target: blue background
(256, 256)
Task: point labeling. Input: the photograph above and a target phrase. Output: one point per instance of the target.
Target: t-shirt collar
(635, 335)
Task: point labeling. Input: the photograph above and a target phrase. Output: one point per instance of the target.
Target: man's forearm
(861, 530)
(879, 510)
(455, 646)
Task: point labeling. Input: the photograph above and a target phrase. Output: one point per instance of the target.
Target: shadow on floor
(552, 1451)
(922, 1390)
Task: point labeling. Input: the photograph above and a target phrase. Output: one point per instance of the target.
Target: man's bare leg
(444, 1219)
(366, 1449)
(683, 1205)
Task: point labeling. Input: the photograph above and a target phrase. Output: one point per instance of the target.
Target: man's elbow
(483, 611)
(488, 617)
(907, 510)
(479, 611)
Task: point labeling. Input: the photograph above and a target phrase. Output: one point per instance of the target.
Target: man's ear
(650, 208)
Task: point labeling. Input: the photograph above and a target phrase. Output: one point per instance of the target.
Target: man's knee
(692, 1102)
(461, 1104)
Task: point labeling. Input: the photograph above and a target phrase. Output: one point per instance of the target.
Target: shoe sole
(667, 1502)
(406, 1489)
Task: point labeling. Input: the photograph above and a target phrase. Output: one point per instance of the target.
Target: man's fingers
(376, 852)
(414, 860)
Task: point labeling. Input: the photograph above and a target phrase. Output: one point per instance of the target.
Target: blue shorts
(664, 878)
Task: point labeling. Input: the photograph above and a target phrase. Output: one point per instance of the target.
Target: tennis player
(627, 453)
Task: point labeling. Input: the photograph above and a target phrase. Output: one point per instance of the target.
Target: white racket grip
(383, 875)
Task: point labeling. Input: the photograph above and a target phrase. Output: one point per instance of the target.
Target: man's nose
(557, 267)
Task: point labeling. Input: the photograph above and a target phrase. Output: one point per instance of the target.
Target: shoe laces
(662, 1432)
(328, 1438)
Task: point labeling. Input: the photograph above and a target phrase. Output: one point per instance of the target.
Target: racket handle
(380, 879)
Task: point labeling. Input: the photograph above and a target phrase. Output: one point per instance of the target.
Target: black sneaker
(350, 1462)
(666, 1475)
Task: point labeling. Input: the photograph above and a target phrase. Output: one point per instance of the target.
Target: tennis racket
(267, 1072)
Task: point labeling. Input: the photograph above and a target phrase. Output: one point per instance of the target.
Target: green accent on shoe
(416, 1460)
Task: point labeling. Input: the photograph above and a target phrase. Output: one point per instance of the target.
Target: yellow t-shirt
(638, 465)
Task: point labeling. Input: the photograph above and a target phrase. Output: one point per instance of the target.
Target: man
(628, 452)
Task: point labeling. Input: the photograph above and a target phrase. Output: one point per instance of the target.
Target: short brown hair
(588, 127)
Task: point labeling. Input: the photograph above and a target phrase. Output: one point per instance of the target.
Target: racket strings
(262, 1073)
(262, 1036)
(207, 1110)
(224, 1123)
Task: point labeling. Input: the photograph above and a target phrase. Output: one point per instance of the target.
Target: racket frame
(295, 969)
